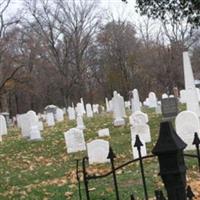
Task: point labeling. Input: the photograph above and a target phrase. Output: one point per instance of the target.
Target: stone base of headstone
(104, 132)
(119, 122)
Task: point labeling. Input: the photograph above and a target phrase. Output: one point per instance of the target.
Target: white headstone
(107, 105)
(50, 119)
(41, 126)
(98, 151)
(74, 139)
(71, 113)
(3, 126)
(152, 100)
(79, 122)
(135, 151)
(118, 115)
(183, 96)
(165, 96)
(192, 101)
(89, 110)
(142, 130)
(59, 115)
(95, 108)
(33, 126)
(138, 118)
(187, 123)
(104, 132)
(135, 102)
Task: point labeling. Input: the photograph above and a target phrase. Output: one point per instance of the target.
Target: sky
(116, 8)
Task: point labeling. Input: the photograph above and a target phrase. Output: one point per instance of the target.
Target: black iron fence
(169, 150)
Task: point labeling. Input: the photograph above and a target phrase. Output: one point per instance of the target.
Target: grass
(43, 170)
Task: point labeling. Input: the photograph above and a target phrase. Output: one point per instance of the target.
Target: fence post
(132, 197)
(169, 149)
(138, 145)
(111, 156)
(78, 179)
(196, 142)
(85, 178)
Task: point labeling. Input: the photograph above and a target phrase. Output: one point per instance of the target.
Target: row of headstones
(97, 150)
(31, 124)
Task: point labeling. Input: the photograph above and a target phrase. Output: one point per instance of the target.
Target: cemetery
(97, 105)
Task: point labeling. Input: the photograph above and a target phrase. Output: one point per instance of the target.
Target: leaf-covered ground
(43, 169)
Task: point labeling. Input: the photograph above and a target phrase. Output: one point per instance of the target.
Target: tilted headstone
(187, 123)
(107, 105)
(74, 139)
(169, 107)
(98, 151)
(50, 119)
(104, 132)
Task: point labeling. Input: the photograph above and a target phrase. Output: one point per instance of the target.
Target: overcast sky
(115, 7)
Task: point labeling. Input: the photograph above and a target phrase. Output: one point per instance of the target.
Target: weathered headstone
(169, 107)
(79, 122)
(59, 115)
(118, 115)
(142, 130)
(3, 126)
(71, 113)
(135, 102)
(138, 118)
(152, 100)
(50, 119)
(187, 123)
(98, 151)
(74, 139)
(89, 111)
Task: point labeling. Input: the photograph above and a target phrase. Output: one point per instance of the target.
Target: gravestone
(169, 107)
(152, 100)
(80, 123)
(135, 151)
(33, 126)
(89, 111)
(138, 118)
(135, 101)
(50, 119)
(74, 139)
(40, 125)
(80, 109)
(183, 96)
(24, 124)
(192, 101)
(59, 115)
(187, 123)
(98, 151)
(71, 113)
(107, 105)
(104, 132)
(3, 126)
(165, 96)
(117, 111)
(142, 130)
(95, 108)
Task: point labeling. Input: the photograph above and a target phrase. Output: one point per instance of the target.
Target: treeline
(55, 52)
